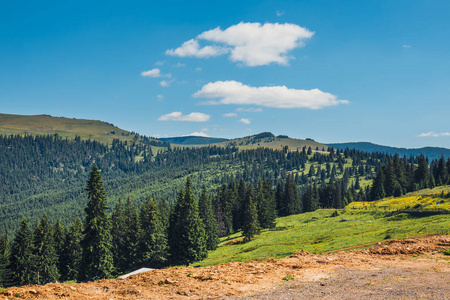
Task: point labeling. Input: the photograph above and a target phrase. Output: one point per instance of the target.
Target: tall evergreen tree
(310, 201)
(97, 258)
(5, 274)
(71, 257)
(266, 205)
(422, 173)
(118, 236)
(45, 252)
(187, 239)
(206, 213)
(131, 235)
(377, 191)
(279, 198)
(237, 208)
(292, 203)
(250, 226)
(22, 257)
(153, 248)
(59, 236)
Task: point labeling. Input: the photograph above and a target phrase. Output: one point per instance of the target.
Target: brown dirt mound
(411, 246)
(239, 279)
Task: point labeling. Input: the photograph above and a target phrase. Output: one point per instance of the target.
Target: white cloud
(192, 48)
(233, 92)
(434, 134)
(406, 46)
(245, 121)
(198, 69)
(179, 65)
(151, 73)
(197, 133)
(155, 73)
(250, 43)
(230, 115)
(160, 62)
(178, 116)
(165, 83)
(251, 109)
(160, 97)
(279, 13)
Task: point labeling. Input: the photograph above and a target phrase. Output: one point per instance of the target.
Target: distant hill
(267, 139)
(64, 127)
(431, 152)
(192, 140)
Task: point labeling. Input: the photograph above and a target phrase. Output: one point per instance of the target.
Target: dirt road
(397, 269)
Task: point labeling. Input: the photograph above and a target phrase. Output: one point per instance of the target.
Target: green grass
(65, 127)
(318, 232)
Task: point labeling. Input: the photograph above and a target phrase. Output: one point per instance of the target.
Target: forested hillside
(47, 173)
(43, 182)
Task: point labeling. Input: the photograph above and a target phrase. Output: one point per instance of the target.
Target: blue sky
(335, 71)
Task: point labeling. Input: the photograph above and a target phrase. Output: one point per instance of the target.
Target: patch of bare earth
(396, 269)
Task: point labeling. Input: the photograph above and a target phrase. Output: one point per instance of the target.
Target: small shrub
(334, 214)
(446, 252)
(388, 236)
(288, 277)
(418, 206)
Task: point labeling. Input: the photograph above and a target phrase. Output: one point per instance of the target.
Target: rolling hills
(430, 152)
(269, 140)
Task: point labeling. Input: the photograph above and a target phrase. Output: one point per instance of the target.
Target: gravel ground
(388, 282)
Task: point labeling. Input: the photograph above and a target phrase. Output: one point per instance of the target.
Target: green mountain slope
(267, 139)
(64, 127)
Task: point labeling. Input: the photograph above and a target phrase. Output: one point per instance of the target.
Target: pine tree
(118, 236)
(131, 235)
(97, 258)
(5, 274)
(310, 201)
(153, 246)
(187, 239)
(377, 191)
(279, 198)
(22, 257)
(59, 236)
(206, 213)
(250, 226)
(292, 203)
(422, 173)
(266, 205)
(237, 208)
(71, 258)
(45, 252)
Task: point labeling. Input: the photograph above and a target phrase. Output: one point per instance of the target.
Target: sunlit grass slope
(319, 232)
(65, 127)
(425, 199)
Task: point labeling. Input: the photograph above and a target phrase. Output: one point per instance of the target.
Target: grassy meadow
(320, 231)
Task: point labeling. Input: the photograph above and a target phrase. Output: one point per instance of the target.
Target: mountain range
(107, 132)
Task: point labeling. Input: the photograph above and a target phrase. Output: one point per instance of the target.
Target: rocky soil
(413, 268)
